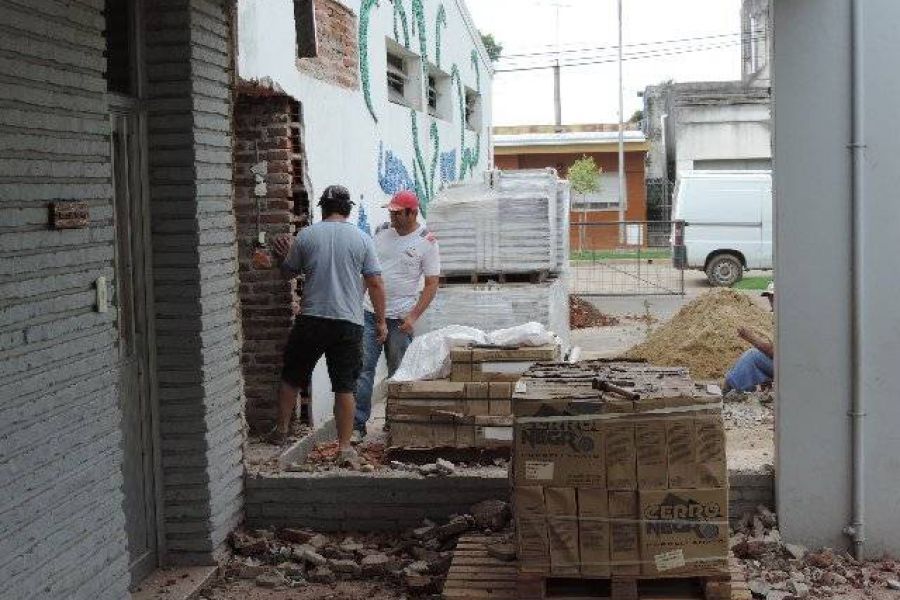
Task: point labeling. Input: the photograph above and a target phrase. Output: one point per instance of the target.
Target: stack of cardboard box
(470, 410)
(619, 470)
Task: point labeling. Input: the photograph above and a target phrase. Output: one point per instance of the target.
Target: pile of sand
(703, 335)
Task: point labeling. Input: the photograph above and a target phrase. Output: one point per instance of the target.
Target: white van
(722, 223)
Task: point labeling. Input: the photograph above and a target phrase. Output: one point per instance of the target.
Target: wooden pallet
(423, 456)
(475, 574)
(475, 278)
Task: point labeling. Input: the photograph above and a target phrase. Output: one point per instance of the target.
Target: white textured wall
(812, 84)
(734, 131)
(343, 140)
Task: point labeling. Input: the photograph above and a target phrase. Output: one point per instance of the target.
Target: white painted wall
(812, 180)
(342, 139)
(722, 132)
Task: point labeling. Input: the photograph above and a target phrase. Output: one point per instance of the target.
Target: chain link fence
(623, 258)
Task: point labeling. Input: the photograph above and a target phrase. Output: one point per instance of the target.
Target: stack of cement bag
(504, 252)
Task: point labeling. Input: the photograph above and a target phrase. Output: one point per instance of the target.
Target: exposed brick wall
(337, 60)
(267, 133)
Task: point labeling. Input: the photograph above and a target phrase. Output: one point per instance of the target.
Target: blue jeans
(395, 347)
(751, 369)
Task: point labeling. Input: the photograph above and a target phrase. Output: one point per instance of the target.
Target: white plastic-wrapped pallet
(545, 181)
(495, 306)
(485, 229)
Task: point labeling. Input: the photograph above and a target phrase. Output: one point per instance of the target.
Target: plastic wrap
(495, 306)
(514, 222)
(428, 357)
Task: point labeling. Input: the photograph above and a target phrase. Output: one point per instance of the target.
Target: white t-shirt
(405, 261)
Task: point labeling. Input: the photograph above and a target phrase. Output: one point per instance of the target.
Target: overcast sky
(589, 92)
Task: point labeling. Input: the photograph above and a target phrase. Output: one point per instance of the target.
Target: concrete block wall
(264, 127)
(61, 518)
(358, 502)
(750, 489)
(337, 59)
(200, 391)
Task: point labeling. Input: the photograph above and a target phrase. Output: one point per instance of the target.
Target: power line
(585, 55)
(634, 45)
(633, 56)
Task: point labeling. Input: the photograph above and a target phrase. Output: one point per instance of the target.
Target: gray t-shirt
(334, 256)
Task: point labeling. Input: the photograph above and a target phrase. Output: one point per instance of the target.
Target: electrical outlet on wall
(102, 295)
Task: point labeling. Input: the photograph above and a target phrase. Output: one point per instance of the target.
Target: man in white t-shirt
(408, 253)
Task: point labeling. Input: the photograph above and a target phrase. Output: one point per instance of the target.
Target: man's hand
(281, 245)
(381, 330)
(409, 324)
(745, 334)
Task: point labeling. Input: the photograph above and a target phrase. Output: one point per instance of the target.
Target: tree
(584, 177)
(637, 117)
(494, 48)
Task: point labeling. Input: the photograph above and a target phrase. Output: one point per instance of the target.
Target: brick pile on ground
(414, 562)
(703, 335)
(779, 571)
(583, 314)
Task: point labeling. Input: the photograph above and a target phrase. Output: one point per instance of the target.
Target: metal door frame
(136, 105)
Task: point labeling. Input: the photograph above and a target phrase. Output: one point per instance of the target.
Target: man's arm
(375, 287)
(425, 298)
(759, 342)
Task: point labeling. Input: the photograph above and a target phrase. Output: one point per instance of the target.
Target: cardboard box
(652, 463)
(531, 529)
(711, 462)
(562, 528)
(681, 444)
(593, 531)
(621, 456)
(561, 454)
(684, 531)
(624, 547)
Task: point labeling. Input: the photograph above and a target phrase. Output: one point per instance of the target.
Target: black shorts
(339, 341)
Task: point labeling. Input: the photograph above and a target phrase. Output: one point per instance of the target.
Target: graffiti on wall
(393, 173)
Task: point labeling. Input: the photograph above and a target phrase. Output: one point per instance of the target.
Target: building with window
(539, 146)
(713, 124)
(378, 97)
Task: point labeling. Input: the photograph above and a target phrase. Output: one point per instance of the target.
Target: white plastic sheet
(428, 357)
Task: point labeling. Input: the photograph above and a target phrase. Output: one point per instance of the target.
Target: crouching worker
(755, 367)
(339, 264)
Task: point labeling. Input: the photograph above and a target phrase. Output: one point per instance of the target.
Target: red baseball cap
(403, 200)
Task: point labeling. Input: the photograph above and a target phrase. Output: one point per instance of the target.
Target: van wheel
(724, 270)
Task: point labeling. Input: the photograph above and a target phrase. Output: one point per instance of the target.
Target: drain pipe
(856, 529)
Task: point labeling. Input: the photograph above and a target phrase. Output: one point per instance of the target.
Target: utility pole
(557, 86)
(621, 140)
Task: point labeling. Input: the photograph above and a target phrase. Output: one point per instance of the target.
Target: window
(439, 105)
(403, 75)
(473, 110)
(119, 51)
(605, 198)
(305, 26)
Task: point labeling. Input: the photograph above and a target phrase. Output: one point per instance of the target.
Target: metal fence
(623, 258)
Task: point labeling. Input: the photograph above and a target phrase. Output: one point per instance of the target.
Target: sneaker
(357, 436)
(349, 458)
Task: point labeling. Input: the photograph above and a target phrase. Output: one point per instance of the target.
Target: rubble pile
(415, 561)
(780, 571)
(703, 335)
(583, 314)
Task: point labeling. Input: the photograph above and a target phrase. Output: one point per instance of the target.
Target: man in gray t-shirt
(338, 263)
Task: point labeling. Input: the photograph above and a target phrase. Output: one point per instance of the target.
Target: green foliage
(637, 117)
(493, 47)
(584, 175)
